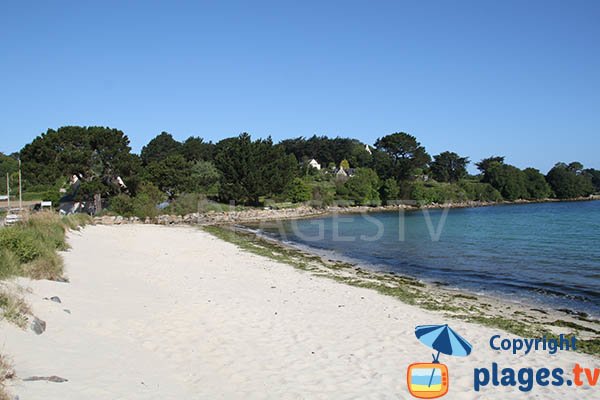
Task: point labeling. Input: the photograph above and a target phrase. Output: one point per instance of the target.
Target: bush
(323, 194)
(29, 248)
(121, 204)
(146, 200)
(142, 205)
(186, 203)
(389, 191)
(362, 187)
(21, 242)
(298, 191)
(437, 193)
(478, 191)
(48, 266)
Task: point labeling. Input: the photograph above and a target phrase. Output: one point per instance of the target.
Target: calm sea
(541, 253)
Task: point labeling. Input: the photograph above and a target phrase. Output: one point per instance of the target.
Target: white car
(12, 219)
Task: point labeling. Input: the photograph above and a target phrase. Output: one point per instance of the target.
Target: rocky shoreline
(257, 215)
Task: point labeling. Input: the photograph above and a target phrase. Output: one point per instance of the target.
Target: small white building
(314, 164)
(341, 173)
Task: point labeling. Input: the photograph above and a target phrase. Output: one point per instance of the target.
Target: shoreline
(526, 319)
(252, 229)
(301, 212)
(167, 312)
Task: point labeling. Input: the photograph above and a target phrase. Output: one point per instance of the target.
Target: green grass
(29, 249)
(13, 308)
(408, 290)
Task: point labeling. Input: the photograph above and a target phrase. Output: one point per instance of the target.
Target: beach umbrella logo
(431, 380)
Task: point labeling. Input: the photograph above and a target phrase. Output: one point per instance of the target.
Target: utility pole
(8, 191)
(20, 189)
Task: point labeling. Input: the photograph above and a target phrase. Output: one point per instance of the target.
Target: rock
(53, 378)
(38, 326)
(118, 220)
(55, 299)
(108, 220)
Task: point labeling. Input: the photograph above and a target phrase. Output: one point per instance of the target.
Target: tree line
(258, 171)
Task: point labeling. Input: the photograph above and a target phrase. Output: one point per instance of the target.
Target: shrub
(298, 191)
(363, 187)
(48, 266)
(21, 242)
(186, 203)
(323, 194)
(478, 191)
(10, 264)
(121, 204)
(29, 248)
(437, 193)
(389, 191)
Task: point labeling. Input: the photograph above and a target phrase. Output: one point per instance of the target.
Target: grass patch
(13, 308)
(6, 373)
(29, 248)
(10, 265)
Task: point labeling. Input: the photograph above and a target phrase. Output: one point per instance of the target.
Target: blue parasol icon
(443, 339)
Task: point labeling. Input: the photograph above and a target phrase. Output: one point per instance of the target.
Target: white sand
(173, 313)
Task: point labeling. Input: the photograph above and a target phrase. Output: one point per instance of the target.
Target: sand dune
(174, 313)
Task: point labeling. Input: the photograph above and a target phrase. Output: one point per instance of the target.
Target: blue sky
(516, 78)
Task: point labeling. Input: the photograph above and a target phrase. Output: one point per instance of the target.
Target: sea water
(542, 253)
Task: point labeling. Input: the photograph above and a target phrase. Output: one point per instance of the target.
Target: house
(314, 164)
(368, 149)
(344, 173)
(341, 173)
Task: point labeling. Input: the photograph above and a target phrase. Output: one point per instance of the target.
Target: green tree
(172, 175)
(480, 191)
(143, 204)
(484, 165)
(204, 178)
(449, 167)
(327, 150)
(508, 180)
(389, 191)
(96, 155)
(8, 165)
(298, 191)
(159, 148)
(196, 149)
(252, 169)
(406, 154)
(536, 185)
(362, 187)
(594, 176)
(568, 181)
(345, 164)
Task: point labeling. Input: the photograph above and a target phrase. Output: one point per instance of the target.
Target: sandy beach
(156, 312)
